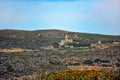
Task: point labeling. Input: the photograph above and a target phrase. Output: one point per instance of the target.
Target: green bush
(82, 75)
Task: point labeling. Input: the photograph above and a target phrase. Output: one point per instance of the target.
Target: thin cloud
(70, 15)
(61, 16)
(106, 11)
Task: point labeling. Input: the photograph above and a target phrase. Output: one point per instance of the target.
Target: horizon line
(63, 30)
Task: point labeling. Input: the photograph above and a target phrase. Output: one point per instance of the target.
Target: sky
(89, 16)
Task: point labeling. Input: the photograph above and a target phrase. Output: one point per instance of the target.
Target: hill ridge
(56, 30)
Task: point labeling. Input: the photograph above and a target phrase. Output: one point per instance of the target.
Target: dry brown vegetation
(14, 50)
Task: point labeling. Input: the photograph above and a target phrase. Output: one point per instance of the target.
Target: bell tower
(99, 42)
(66, 36)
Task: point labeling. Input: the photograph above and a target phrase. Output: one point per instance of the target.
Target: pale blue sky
(91, 16)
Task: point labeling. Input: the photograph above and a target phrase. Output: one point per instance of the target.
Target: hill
(41, 38)
(25, 52)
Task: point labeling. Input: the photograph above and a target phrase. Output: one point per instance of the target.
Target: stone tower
(99, 42)
(66, 36)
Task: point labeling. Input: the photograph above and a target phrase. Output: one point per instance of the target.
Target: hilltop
(55, 33)
(41, 38)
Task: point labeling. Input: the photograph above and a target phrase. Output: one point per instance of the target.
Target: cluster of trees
(27, 43)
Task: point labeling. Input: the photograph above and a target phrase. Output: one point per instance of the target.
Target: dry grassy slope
(55, 33)
(38, 38)
(14, 50)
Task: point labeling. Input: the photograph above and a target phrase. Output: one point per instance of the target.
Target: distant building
(100, 45)
(99, 42)
(97, 45)
(67, 40)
